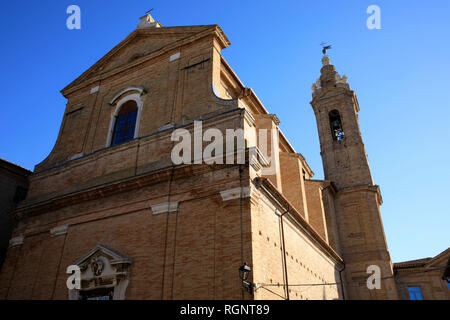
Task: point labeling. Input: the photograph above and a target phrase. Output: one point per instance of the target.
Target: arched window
(126, 115)
(125, 123)
(336, 126)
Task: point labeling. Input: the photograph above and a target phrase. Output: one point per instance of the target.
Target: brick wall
(179, 255)
(12, 177)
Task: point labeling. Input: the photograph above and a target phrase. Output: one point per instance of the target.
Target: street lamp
(244, 272)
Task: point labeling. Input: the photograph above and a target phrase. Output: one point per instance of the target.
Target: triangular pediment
(140, 44)
(102, 251)
(440, 260)
(102, 268)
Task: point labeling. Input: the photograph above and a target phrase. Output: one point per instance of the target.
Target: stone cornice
(324, 184)
(302, 159)
(408, 267)
(14, 168)
(272, 116)
(257, 159)
(131, 183)
(249, 118)
(321, 100)
(328, 185)
(95, 155)
(249, 98)
(423, 263)
(111, 188)
(364, 187)
(222, 37)
(331, 93)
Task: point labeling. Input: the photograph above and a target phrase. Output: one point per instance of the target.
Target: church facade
(110, 200)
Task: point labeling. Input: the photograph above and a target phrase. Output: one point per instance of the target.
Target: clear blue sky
(400, 74)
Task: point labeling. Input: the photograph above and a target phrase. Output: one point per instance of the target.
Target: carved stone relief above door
(104, 275)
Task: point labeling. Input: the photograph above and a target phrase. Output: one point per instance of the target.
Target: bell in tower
(336, 126)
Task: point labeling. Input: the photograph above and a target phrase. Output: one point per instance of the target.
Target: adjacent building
(424, 279)
(13, 189)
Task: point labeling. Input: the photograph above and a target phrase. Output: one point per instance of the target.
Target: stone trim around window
(129, 97)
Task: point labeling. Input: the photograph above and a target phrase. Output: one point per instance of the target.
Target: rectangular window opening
(415, 293)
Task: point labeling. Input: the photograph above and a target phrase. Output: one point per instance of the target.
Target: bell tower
(357, 200)
(336, 109)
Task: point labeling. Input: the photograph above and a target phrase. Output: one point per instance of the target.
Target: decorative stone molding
(271, 116)
(125, 98)
(302, 159)
(363, 187)
(275, 119)
(247, 116)
(174, 57)
(77, 156)
(326, 61)
(141, 90)
(329, 78)
(246, 92)
(167, 127)
(236, 193)
(95, 89)
(60, 230)
(316, 86)
(16, 241)
(103, 268)
(165, 207)
(147, 21)
(147, 178)
(257, 159)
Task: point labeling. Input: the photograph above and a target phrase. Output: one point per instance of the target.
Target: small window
(446, 275)
(415, 293)
(125, 123)
(336, 126)
(20, 194)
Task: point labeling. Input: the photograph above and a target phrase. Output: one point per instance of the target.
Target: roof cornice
(363, 187)
(17, 169)
(80, 82)
(111, 188)
(421, 263)
(222, 37)
(303, 161)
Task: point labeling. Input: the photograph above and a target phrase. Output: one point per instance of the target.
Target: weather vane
(149, 11)
(325, 47)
